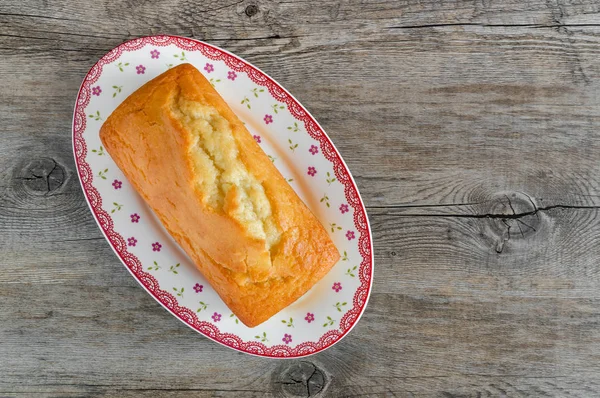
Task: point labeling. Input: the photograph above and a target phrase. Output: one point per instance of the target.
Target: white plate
(299, 148)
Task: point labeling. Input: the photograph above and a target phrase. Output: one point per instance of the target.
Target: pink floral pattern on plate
(278, 120)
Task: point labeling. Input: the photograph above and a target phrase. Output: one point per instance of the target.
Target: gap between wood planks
(483, 25)
(501, 216)
(485, 215)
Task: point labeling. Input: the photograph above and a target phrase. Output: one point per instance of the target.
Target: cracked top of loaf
(218, 194)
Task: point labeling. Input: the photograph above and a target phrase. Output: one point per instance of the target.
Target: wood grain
(471, 129)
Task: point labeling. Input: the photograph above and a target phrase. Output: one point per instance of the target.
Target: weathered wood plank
(443, 307)
(472, 131)
(504, 125)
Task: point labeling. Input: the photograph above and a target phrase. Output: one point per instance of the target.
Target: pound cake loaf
(218, 194)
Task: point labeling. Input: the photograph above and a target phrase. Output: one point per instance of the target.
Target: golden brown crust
(147, 136)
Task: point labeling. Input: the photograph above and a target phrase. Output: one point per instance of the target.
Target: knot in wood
(251, 10)
(43, 175)
(514, 216)
(302, 379)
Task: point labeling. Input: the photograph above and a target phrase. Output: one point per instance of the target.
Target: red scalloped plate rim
(132, 263)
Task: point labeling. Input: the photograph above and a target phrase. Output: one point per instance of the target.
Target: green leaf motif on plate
(350, 271)
(294, 128)
(99, 151)
(96, 116)
(181, 57)
(330, 178)
(117, 207)
(256, 90)
(122, 66)
(262, 338)
(117, 90)
(277, 107)
(292, 145)
(289, 324)
(173, 268)
(246, 101)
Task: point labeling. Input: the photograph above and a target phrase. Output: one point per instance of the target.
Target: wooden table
(472, 129)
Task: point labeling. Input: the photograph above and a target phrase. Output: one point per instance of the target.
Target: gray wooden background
(472, 129)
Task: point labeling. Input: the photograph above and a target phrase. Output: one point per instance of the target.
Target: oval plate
(296, 144)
